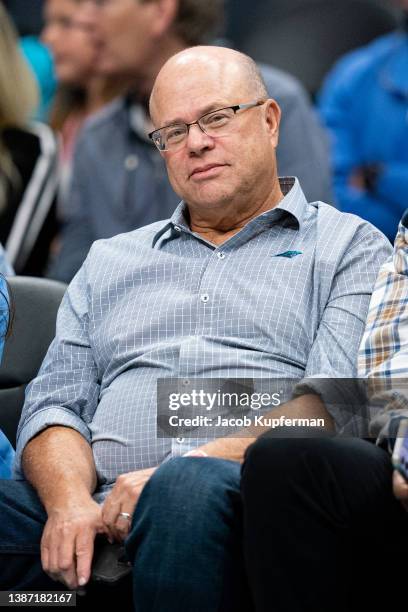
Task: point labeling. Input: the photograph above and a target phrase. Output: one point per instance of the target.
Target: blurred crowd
(76, 164)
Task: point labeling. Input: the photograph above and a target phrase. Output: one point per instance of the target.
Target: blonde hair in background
(18, 96)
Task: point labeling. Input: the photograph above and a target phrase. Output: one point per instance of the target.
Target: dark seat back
(35, 301)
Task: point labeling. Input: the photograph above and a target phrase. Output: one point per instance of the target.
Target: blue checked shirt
(287, 296)
(383, 354)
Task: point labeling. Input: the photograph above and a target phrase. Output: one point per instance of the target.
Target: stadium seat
(35, 302)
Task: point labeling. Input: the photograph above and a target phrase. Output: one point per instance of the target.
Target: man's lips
(207, 170)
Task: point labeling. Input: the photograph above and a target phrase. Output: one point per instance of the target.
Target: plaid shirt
(383, 355)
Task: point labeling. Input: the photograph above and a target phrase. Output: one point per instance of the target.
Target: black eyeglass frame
(235, 108)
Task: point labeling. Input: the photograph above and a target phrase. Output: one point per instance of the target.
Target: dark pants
(185, 541)
(322, 530)
(320, 525)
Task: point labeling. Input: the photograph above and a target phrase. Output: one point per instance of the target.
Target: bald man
(246, 280)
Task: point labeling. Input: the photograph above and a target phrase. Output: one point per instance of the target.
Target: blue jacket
(6, 270)
(364, 104)
(6, 450)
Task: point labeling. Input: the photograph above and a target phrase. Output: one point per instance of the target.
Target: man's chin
(210, 201)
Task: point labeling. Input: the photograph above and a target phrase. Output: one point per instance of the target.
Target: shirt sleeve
(383, 354)
(331, 368)
(66, 389)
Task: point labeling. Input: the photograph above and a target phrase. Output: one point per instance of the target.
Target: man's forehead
(188, 98)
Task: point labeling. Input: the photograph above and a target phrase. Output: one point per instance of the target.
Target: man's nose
(198, 140)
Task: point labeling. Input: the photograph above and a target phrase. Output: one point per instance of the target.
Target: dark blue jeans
(185, 540)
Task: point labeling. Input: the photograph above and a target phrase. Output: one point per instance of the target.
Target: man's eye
(216, 119)
(175, 133)
(60, 22)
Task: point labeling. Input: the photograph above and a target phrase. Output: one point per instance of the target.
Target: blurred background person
(306, 37)
(68, 32)
(27, 162)
(364, 104)
(119, 180)
(5, 268)
(39, 58)
(28, 20)
(6, 450)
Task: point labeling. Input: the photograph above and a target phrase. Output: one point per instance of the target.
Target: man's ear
(164, 13)
(272, 117)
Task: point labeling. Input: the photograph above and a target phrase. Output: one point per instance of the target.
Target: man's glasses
(216, 123)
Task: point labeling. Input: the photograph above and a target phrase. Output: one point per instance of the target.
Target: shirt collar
(294, 204)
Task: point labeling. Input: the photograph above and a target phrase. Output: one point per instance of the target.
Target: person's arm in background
(6, 449)
(41, 62)
(53, 442)
(4, 310)
(303, 149)
(335, 347)
(391, 183)
(383, 354)
(356, 188)
(76, 235)
(5, 267)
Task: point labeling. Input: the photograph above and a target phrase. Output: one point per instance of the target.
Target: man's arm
(60, 466)
(53, 441)
(384, 351)
(308, 406)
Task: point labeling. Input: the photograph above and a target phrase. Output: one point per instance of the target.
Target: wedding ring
(126, 515)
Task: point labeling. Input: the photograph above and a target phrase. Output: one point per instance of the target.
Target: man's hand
(123, 498)
(67, 542)
(400, 488)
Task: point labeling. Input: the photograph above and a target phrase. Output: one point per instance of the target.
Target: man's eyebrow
(206, 109)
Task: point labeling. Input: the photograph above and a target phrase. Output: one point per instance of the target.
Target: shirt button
(220, 255)
(177, 228)
(205, 297)
(131, 162)
(179, 440)
(186, 382)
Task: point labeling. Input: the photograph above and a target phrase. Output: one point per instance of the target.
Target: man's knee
(289, 460)
(189, 499)
(271, 453)
(191, 481)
